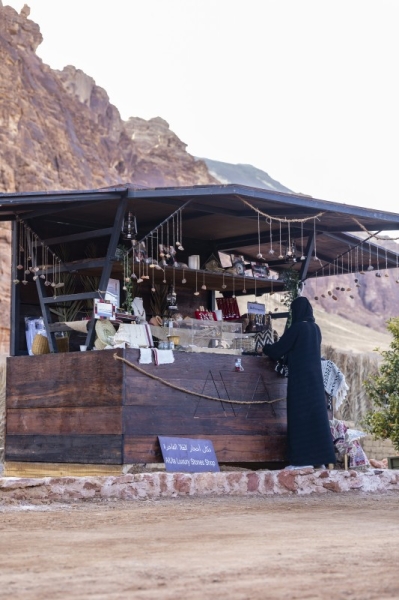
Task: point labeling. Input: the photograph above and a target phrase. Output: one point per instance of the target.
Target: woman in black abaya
(308, 430)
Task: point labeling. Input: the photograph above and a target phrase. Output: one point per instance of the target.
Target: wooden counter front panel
(64, 408)
(64, 379)
(81, 449)
(89, 408)
(239, 432)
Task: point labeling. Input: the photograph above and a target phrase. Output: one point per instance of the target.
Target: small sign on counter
(255, 308)
(188, 455)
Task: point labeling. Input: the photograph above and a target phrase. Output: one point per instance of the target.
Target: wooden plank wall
(64, 407)
(240, 433)
(88, 408)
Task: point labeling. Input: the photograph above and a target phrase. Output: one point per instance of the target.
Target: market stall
(125, 323)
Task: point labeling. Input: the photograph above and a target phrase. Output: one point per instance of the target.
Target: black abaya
(308, 430)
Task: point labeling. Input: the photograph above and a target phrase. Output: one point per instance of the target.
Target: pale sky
(305, 90)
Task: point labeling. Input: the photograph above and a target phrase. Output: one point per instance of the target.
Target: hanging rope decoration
(316, 297)
(280, 220)
(259, 255)
(370, 267)
(374, 235)
(190, 392)
(244, 291)
(284, 219)
(271, 251)
(166, 243)
(281, 251)
(196, 293)
(290, 250)
(153, 281)
(314, 233)
(223, 283)
(378, 272)
(28, 261)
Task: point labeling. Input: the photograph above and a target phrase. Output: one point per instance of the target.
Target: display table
(91, 408)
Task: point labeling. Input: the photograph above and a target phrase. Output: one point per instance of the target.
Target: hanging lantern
(171, 298)
(129, 228)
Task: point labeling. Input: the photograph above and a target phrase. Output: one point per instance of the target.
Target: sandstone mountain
(58, 130)
(243, 174)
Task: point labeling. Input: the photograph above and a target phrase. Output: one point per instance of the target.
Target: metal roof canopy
(216, 218)
(234, 219)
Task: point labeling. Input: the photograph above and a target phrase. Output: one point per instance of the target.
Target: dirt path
(338, 546)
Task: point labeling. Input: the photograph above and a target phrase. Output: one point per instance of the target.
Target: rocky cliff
(58, 130)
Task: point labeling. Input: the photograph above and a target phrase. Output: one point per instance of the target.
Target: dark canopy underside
(232, 219)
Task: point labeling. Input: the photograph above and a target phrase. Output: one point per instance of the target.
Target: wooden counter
(89, 408)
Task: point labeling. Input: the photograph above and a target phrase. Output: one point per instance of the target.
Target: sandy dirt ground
(334, 546)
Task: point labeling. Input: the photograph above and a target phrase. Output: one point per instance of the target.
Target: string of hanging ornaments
(162, 242)
(157, 251)
(355, 261)
(290, 253)
(33, 260)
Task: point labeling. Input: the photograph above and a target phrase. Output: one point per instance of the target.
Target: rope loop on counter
(180, 389)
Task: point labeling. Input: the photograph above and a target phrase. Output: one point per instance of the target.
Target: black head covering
(301, 310)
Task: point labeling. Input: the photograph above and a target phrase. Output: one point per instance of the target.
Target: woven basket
(40, 344)
(62, 343)
(246, 344)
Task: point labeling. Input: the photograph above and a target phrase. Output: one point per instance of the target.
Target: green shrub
(383, 390)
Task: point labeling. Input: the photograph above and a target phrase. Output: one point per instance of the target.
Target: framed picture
(225, 260)
(259, 270)
(238, 264)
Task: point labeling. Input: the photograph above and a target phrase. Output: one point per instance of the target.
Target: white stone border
(143, 486)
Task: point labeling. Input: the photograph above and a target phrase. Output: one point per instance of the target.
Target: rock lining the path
(145, 486)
